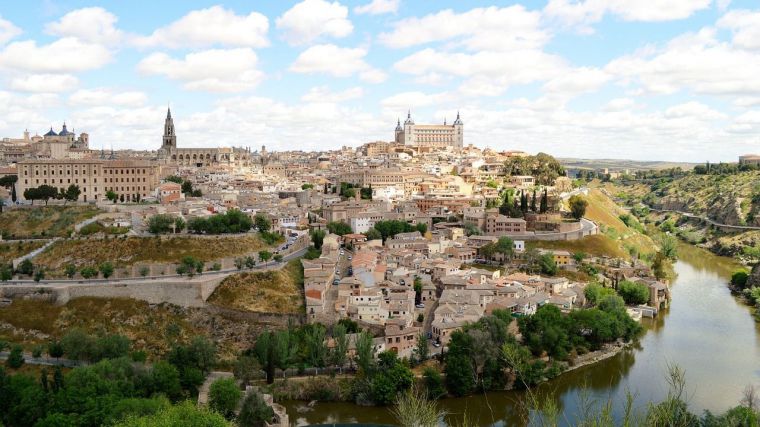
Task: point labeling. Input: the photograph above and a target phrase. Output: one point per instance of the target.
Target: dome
(51, 132)
(64, 131)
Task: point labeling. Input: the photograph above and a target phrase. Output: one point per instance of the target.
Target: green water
(706, 331)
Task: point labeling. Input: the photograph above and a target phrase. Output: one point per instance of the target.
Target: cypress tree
(533, 202)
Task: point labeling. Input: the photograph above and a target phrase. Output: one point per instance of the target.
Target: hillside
(43, 221)
(12, 250)
(125, 251)
(151, 328)
(275, 291)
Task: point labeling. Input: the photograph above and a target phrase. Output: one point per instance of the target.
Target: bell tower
(170, 138)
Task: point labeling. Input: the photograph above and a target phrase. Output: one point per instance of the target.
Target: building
(749, 159)
(428, 137)
(170, 154)
(134, 179)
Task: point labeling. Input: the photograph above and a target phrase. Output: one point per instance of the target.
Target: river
(706, 331)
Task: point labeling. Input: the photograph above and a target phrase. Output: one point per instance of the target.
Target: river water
(706, 331)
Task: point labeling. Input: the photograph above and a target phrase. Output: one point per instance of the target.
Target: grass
(597, 245)
(275, 291)
(10, 251)
(44, 221)
(126, 251)
(35, 322)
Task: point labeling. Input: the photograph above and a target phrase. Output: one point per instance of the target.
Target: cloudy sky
(653, 80)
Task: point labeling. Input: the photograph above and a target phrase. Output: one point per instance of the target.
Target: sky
(675, 80)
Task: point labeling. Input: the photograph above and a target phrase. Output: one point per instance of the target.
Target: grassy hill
(279, 291)
(12, 250)
(125, 251)
(43, 221)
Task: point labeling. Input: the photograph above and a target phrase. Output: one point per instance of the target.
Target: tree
(317, 238)
(277, 258)
(164, 378)
(421, 227)
(265, 256)
(533, 206)
(391, 378)
(633, 293)
(417, 290)
(88, 272)
(39, 274)
(161, 223)
(246, 369)
(578, 205)
(72, 193)
(254, 411)
(262, 222)
(224, 396)
(544, 205)
(16, 357)
(547, 264)
(373, 234)
(55, 349)
(70, 270)
(25, 267)
(106, 269)
(460, 375)
(506, 247)
(78, 345)
(6, 272)
(365, 352)
(187, 187)
(179, 224)
(339, 353)
(421, 350)
(595, 292)
(112, 196)
(9, 182)
(433, 383)
(338, 227)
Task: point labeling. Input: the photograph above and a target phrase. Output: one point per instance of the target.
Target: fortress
(430, 137)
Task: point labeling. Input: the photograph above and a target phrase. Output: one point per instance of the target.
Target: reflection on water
(706, 332)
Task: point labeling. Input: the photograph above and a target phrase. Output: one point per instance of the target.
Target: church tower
(170, 138)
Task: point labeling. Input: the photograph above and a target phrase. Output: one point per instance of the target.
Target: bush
(89, 272)
(739, 279)
(224, 396)
(254, 412)
(15, 358)
(433, 383)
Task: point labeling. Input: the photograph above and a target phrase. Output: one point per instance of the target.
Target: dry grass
(597, 245)
(51, 221)
(37, 321)
(10, 251)
(278, 291)
(131, 250)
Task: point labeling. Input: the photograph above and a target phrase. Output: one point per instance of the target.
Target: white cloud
(491, 72)
(697, 62)
(336, 61)
(412, 100)
(216, 70)
(105, 96)
(577, 81)
(378, 7)
(45, 83)
(745, 26)
(323, 94)
(310, 19)
(619, 104)
(8, 30)
(492, 28)
(693, 110)
(211, 27)
(582, 14)
(62, 56)
(90, 24)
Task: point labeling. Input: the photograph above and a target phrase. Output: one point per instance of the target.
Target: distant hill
(622, 164)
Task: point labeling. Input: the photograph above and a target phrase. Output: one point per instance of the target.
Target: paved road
(707, 219)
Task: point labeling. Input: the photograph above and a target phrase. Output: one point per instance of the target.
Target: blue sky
(654, 80)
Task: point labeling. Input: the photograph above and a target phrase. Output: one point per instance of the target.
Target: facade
(134, 179)
(750, 159)
(427, 137)
(170, 154)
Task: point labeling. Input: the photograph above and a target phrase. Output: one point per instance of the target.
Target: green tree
(70, 270)
(55, 349)
(433, 383)
(16, 357)
(265, 256)
(365, 352)
(9, 182)
(391, 378)
(373, 234)
(160, 224)
(277, 258)
(739, 279)
(633, 293)
(338, 227)
(262, 223)
(339, 353)
(89, 272)
(595, 292)
(72, 193)
(246, 369)
(421, 350)
(179, 224)
(224, 395)
(106, 269)
(547, 264)
(578, 205)
(460, 375)
(26, 267)
(164, 379)
(254, 411)
(175, 179)
(112, 196)
(39, 274)
(317, 238)
(6, 272)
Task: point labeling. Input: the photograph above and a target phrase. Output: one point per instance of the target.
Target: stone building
(170, 154)
(430, 137)
(135, 179)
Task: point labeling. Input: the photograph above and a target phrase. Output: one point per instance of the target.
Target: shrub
(633, 293)
(16, 357)
(224, 396)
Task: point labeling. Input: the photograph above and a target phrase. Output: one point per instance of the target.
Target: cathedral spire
(168, 112)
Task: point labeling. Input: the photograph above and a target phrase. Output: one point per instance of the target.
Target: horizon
(676, 83)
